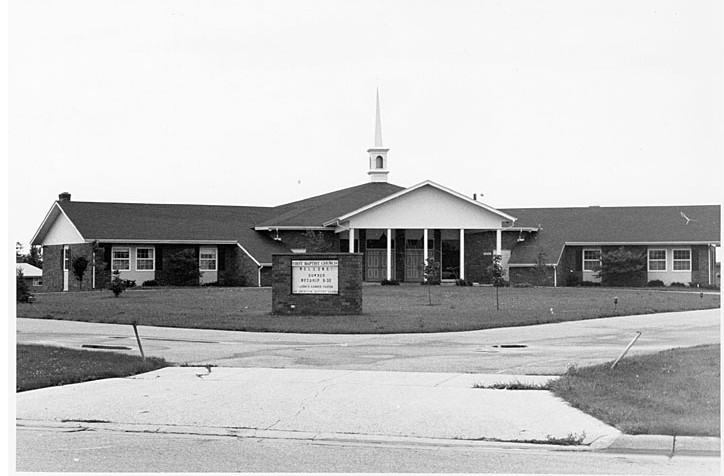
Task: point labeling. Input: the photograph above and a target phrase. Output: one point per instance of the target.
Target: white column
(389, 254)
(424, 247)
(462, 253)
(351, 240)
(498, 241)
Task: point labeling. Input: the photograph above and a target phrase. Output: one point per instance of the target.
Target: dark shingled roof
(171, 222)
(317, 210)
(600, 225)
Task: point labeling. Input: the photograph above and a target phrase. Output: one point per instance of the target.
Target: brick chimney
(64, 197)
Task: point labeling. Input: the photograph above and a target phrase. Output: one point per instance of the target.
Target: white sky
(533, 103)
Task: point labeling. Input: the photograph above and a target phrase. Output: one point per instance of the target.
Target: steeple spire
(378, 123)
(378, 154)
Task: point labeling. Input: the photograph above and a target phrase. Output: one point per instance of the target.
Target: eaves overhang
(163, 242)
(289, 228)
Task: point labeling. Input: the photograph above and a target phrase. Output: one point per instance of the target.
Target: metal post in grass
(138, 339)
(633, 341)
(496, 269)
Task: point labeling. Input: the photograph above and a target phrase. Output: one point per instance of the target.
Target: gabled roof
(142, 222)
(613, 226)
(406, 191)
(29, 271)
(315, 211)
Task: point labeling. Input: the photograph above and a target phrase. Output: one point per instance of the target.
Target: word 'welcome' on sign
(315, 276)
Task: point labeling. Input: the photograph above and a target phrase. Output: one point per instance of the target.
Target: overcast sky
(531, 103)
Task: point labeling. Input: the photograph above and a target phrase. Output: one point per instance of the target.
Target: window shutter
(159, 258)
(107, 257)
(222, 259)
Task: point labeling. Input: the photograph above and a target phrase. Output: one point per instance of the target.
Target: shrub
(588, 284)
(655, 283)
(231, 278)
(211, 284)
(150, 283)
(573, 280)
(23, 293)
(522, 285)
(117, 285)
(129, 283)
(389, 282)
(677, 285)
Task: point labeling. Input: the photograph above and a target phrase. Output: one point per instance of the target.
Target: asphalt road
(109, 451)
(48, 444)
(544, 349)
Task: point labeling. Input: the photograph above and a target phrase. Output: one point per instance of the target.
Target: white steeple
(378, 154)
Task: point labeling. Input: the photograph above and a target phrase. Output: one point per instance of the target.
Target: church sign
(315, 276)
(324, 284)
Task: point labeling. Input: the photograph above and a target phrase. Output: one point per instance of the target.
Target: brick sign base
(346, 300)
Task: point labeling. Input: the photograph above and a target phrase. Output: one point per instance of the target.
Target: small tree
(431, 276)
(498, 273)
(79, 265)
(22, 293)
(117, 285)
(540, 270)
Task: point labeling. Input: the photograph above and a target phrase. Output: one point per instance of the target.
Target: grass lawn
(387, 309)
(675, 392)
(41, 366)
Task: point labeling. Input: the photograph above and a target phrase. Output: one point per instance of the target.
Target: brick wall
(532, 275)
(700, 264)
(347, 301)
(53, 269)
(477, 243)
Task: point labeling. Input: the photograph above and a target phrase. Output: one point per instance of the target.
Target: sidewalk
(340, 405)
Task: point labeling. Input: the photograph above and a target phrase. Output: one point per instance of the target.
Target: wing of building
(397, 229)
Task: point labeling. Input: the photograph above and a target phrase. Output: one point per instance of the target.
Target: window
(144, 259)
(37, 281)
(121, 259)
(591, 260)
(682, 260)
(207, 258)
(657, 260)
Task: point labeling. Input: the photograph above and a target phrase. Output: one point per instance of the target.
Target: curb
(666, 445)
(623, 444)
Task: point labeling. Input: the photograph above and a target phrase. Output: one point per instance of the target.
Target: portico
(399, 234)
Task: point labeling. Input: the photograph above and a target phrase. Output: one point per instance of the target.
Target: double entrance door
(376, 265)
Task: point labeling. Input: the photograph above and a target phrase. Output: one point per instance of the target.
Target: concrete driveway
(546, 349)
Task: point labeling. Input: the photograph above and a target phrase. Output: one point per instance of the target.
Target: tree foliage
(317, 242)
(431, 272)
(117, 285)
(79, 265)
(22, 293)
(621, 266)
(182, 269)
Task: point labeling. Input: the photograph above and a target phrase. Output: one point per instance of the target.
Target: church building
(397, 229)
